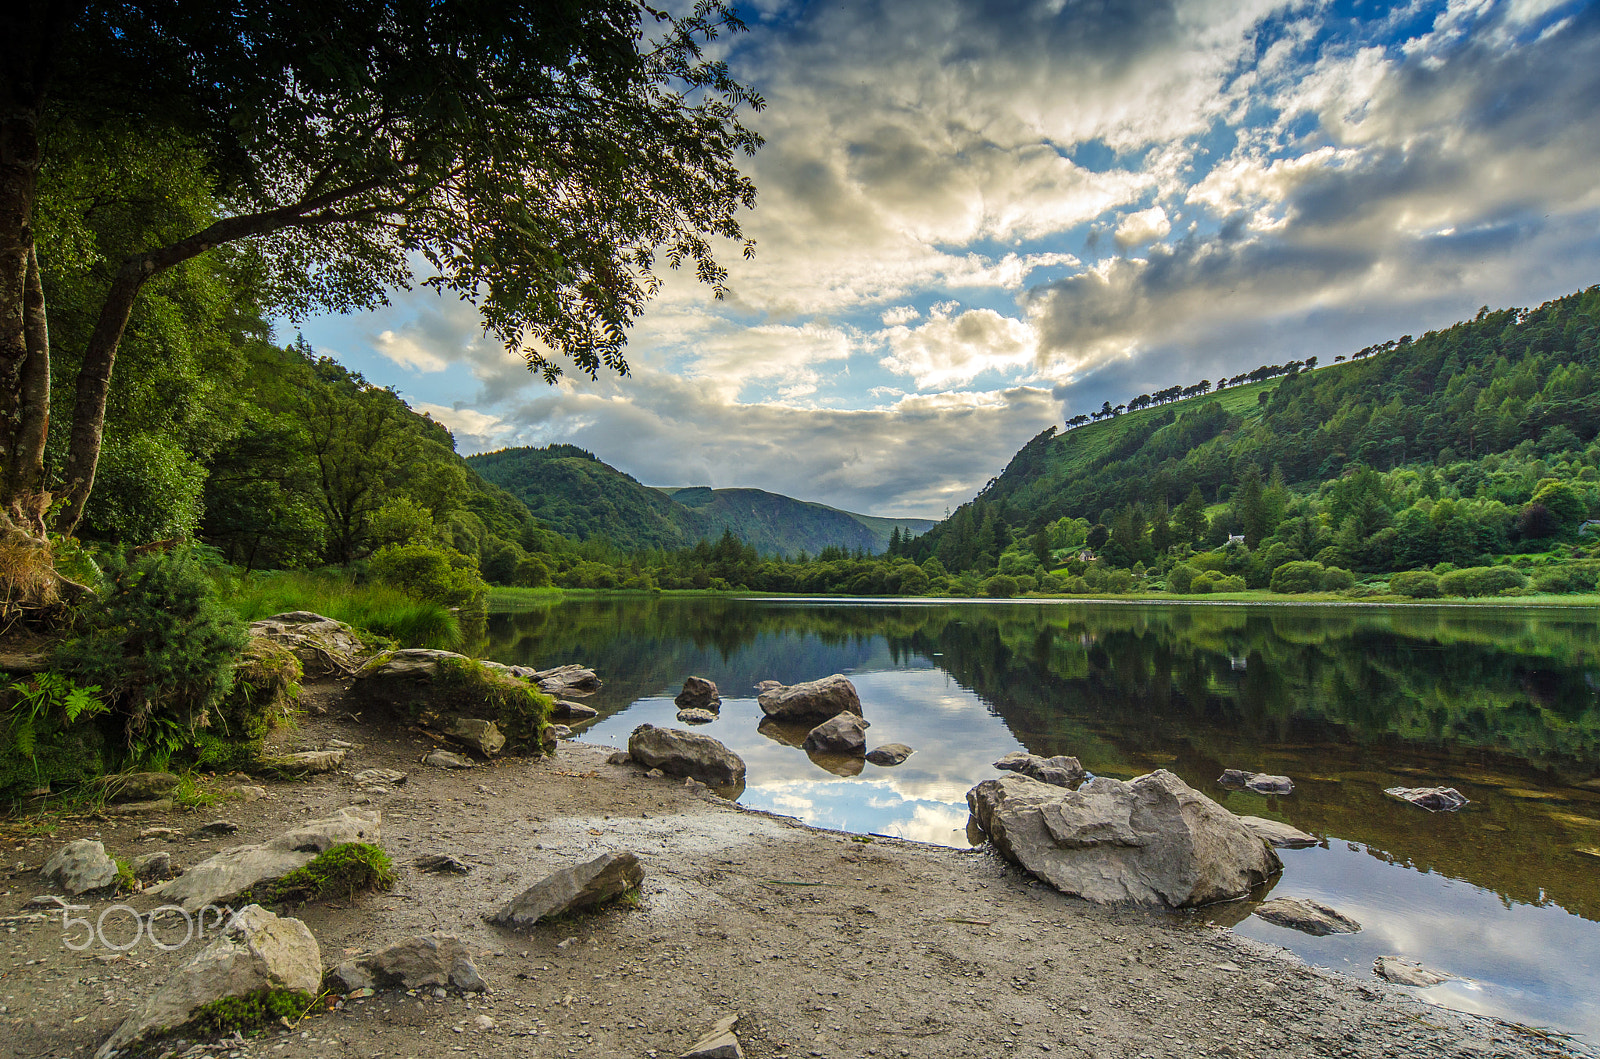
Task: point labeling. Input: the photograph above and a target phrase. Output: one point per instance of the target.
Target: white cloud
(407, 352)
(1143, 227)
(949, 350)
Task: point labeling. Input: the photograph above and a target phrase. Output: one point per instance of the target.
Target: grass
(251, 1011)
(374, 608)
(343, 871)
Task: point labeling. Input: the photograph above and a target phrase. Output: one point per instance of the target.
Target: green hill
(580, 496)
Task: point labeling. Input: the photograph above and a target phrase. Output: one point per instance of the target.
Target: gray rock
(843, 734)
(152, 867)
(245, 792)
(815, 700)
(594, 882)
(305, 762)
(1307, 916)
(1278, 834)
(159, 805)
(620, 757)
(1153, 841)
(138, 786)
(1259, 782)
(557, 731)
(567, 710)
(1433, 799)
(217, 827)
(445, 760)
(256, 950)
(698, 694)
(889, 754)
(442, 863)
(224, 876)
(654, 774)
(376, 777)
(773, 685)
(1059, 771)
(427, 960)
(565, 678)
(1407, 972)
(79, 867)
(321, 644)
(681, 753)
(475, 734)
(696, 716)
(719, 1042)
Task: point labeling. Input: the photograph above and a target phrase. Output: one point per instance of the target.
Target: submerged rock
(80, 867)
(843, 734)
(1059, 771)
(1406, 972)
(1259, 782)
(815, 700)
(889, 754)
(585, 885)
(696, 716)
(1153, 841)
(681, 753)
(1278, 834)
(1433, 799)
(1307, 916)
(698, 694)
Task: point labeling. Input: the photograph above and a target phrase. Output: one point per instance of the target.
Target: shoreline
(825, 943)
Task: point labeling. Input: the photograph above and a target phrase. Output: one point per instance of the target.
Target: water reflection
(1500, 703)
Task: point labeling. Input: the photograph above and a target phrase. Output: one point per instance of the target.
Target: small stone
(159, 832)
(696, 716)
(889, 754)
(476, 734)
(152, 867)
(1407, 972)
(218, 827)
(844, 733)
(79, 867)
(1258, 782)
(445, 760)
(698, 694)
(655, 774)
(568, 710)
(620, 757)
(483, 1023)
(372, 777)
(558, 731)
(245, 792)
(1433, 799)
(581, 886)
(306, 761)
(718, 1042)
(1307, 916)
(442, 863)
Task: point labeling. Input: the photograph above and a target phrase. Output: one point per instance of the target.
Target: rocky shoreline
(818, 943)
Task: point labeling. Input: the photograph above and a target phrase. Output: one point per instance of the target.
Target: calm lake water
(1501, 703)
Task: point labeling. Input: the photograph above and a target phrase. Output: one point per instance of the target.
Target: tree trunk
(28, 500)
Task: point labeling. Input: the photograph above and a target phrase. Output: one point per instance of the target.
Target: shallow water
(1501, 703)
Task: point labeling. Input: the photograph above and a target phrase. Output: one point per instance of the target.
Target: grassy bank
(374, 608)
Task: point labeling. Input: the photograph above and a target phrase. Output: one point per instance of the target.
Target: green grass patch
(343, 871)
(518, 709)
(250, 1011)
(375, 608)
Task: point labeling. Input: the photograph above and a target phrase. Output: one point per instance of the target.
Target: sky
(976, 220)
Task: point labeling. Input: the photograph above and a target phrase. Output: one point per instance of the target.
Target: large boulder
(815, 700)
(680, 753)
(216, 880)
(845, 733)
(321, 644)
(698, 694)
(460, 695)
(594, 882)
(1153, 841)
(413, 963)
(256, 950)
(1059, 771)
(79, 867)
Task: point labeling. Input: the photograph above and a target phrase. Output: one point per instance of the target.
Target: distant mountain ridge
(579, 495)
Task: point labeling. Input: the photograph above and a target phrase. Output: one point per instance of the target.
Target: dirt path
(824, 944)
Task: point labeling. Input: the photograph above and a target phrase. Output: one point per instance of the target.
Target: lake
(1501, 703)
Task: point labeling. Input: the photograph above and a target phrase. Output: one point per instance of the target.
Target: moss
(127, 882)
(343, 871)
(471, 688)
(189, 795)
(250, 1011)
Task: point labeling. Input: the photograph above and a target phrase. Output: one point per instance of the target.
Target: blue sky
(979, 219)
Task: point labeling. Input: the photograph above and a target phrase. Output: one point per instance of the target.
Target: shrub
(343, 871)
(1205, 582)
(47, 733)
(1230, 583)
(432, 573)
(162, 648)
(1574, 577)
(1337, 579)
(1180, 578)
(1000, 586)
(1482, 581)
(1417, 584)
(1297, 577)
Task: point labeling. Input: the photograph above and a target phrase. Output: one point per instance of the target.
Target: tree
(539, 157)
(1191, 522)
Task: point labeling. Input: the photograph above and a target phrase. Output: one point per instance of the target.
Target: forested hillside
(582, 497)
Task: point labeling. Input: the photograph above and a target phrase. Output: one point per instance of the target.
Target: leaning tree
(541, 159)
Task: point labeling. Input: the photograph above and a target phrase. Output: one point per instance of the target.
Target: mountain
(578, 495)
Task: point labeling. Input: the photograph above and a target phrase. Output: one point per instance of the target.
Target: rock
(696, 716)
(1433, 799)
(718, 1042)
(813, 701)
(594, 882)
(224, 876)
(654, 774)
(698, 694)
(1059, 771)
(1307, 916)
(1278, 834)
(445, 760)
(168, 833)
(889, 754)
(567, 710)
(245, 792)
(482, 1023)
(680, 753)
(256, 950)
(426, 960)
(152, 867)
(322, 644)
(845, 765)
(375, 777)
(842, 734)
(49, 901)
(565, 678)
(79, 867)
(1152, 841)
(305, 762)
(1406, 972)
(1259, 782)
(620, 757)
(138, 786)
(785, 733)
(773, 685)
(218, 827)
(159, 805)
(557, 731)
(475, 734)
(443, 863)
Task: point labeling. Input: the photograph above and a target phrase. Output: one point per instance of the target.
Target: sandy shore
(824, 944)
